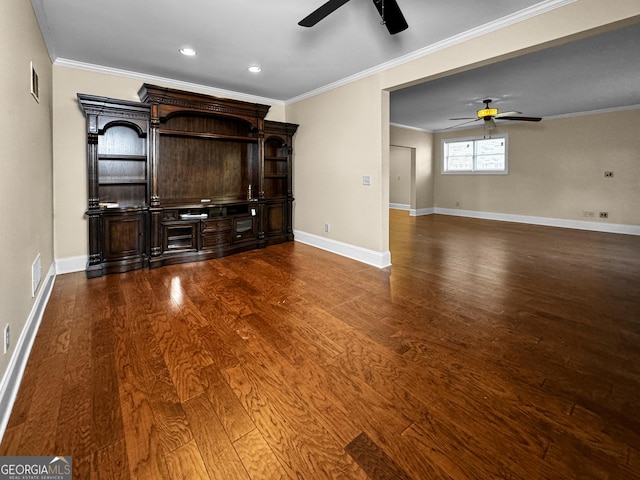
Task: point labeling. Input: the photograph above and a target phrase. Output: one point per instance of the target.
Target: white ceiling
(144, 36)
(597, 73)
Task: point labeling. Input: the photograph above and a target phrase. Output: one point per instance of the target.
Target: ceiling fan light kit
(487, 112)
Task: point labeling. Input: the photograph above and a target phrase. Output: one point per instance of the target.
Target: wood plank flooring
(488, 350)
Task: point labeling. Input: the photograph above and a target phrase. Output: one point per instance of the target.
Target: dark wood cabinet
(118, 183)
(124, 245)
(278, 181)
(183, 176)
(206, 159)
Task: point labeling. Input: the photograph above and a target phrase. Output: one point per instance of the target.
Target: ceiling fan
(490, 114)
(389, 11)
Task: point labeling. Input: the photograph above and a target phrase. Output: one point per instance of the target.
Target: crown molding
(409, 127)
(167, 82)
(47, 35)
(593, 112)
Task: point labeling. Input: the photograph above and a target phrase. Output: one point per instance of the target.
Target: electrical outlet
(588, 214)
(366, 180)
(604, 214)
(327, 228)
(608, 174)
(7, 338)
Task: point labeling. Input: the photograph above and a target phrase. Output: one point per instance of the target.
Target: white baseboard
(13, 375)
(370, 257)
(546, 221)
(400, 206)
(71, 264)
(422, 211)
(413, 212)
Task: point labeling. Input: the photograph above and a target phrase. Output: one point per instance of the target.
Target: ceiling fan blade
(461, 124)
(464, 118)
(324, 10)
(507, 114)
(521, 119)
(391, 15)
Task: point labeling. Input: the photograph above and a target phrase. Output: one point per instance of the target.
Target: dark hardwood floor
(488, 350)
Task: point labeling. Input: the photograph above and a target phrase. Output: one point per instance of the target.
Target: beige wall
(341, 129)
(401, 175)
(69, 147)
(335, 147)
(25, 179)
(422, 142)
(556, 170)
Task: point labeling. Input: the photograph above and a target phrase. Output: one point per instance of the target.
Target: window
(475, 155)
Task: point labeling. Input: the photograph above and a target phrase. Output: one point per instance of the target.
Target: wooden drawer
(170, 216)
(216, 239)
(216, 225)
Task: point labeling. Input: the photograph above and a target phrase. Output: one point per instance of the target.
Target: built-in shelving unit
(277, 181)
(118, 183)
(190, 176)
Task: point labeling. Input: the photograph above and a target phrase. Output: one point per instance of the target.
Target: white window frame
(475, 171)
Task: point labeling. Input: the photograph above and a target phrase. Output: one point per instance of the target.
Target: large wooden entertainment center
(181, 177)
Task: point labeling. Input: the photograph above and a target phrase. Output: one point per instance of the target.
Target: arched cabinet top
(281, 130)
(199, 122)
(168, 102)
(120, 124)
(103, 112)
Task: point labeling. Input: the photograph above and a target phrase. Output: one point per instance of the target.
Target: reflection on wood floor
(488, 350)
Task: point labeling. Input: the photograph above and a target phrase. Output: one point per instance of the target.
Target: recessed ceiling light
(255, 69)
(188, 51)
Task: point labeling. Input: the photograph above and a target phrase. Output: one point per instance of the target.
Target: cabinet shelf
(207, 135)
(117, 208)
(205, 202)
(276, 159)
(276, 176)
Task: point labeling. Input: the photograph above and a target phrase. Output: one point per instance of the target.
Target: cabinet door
(124, 236)
(275, 219)
(180, 236)
(244, 228)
